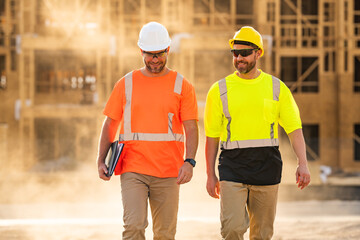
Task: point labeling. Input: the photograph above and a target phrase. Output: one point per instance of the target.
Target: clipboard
(113, 156)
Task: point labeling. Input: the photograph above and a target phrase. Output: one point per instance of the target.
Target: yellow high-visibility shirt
(252, 109)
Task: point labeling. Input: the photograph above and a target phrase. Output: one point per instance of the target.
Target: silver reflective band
(250, 143)
(224, 101)
(276, 88)
(247, 143)
(128, 135)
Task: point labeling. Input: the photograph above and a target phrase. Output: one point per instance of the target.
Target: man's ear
(258, 53)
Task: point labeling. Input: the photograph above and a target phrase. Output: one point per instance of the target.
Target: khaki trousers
(163, 196)
(245, 205)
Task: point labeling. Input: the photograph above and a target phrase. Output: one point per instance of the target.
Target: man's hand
(302, 172)
(213, 186)
(185, 173)
(107, 136)
(302, 176)
(102, 169)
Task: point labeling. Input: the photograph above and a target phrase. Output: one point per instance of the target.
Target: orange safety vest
(129, 135)
(151, 110)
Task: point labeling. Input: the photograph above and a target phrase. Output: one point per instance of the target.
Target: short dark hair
(246, 43)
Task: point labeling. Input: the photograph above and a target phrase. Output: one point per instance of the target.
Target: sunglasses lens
(152, 55)
(242, 52)
(162, 54)
(246, 52)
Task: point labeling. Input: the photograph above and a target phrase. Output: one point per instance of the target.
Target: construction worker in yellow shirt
(242, 114)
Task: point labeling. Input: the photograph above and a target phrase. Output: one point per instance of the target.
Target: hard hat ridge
(247, 34)
(153, 36)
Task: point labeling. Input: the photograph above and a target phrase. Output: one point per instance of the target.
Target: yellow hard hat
(250, 35)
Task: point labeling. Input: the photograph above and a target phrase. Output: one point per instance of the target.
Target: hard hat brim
(232, 41)
(154, 48)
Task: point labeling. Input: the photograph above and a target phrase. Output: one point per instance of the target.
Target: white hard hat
(153, 37)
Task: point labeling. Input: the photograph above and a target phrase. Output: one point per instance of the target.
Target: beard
(245, 67)
(155, 67)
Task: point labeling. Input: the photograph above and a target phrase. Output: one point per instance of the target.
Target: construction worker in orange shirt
(153, 106)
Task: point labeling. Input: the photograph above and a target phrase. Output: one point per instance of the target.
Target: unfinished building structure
(60, 59)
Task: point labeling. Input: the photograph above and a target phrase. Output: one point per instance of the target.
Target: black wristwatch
(191, 161)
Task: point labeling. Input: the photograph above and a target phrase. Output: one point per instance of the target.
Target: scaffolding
(60, 59)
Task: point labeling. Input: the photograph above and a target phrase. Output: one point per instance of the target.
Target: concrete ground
(69, 206)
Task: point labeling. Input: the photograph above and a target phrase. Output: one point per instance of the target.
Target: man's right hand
(213, 186)
(102, 170)
(107, 136)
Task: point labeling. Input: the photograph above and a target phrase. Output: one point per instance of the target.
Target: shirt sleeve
(289, 112)
(213, 115)
(114, 106)
(188, 107)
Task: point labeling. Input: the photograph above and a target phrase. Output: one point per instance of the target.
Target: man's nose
(155, 58)
(239, 57)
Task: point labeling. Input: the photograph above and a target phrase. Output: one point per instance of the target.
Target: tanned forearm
(191, 144)
(298, 143)
(302, 172)
(107, 136)
(212, 183)
(191, 138)
(211, 150)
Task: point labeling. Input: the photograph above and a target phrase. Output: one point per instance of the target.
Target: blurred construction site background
(59, 61)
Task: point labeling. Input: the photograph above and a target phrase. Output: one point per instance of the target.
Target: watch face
(191, 161)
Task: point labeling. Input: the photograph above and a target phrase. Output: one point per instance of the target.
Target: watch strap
(191, 161)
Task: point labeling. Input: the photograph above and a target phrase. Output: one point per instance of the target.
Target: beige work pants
(245, 205)
(163, 196)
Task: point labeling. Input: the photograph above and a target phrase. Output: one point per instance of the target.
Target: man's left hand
(302, 176)
(185, 173)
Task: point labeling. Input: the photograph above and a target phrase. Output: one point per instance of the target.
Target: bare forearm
(302, 174)
(107, 136)
(211, 150)
(298, 143)
(191, 138)
(191, 143)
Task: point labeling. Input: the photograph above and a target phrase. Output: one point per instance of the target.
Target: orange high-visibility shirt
(153, 98)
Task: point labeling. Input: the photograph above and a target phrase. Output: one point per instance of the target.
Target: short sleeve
(213, 115)
(188, 107)
(114, 106)
(289, 115)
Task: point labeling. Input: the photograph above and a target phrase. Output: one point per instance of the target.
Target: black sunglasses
(152, 55)
(243, 52)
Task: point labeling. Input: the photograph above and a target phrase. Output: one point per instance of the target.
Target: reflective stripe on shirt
(253, 142)
(128, 135)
